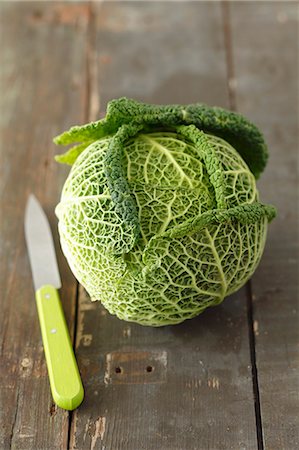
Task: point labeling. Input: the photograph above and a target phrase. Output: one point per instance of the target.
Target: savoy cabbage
(160, 217)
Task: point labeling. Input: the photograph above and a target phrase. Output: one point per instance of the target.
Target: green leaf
(72, 154)
(244, 136)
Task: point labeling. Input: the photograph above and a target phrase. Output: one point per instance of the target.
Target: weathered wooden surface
(199, 394)
(265, 49)
(210, 383)
(42, 90)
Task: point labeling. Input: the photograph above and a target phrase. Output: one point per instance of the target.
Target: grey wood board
(181, 387)
(42, 55)
(198, 394)
(265, 51)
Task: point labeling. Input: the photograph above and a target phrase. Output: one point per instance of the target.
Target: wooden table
(225, 380)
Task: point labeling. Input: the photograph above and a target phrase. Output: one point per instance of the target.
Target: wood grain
(265, 51)
(187, 386)
(42, 91)
(204, 384)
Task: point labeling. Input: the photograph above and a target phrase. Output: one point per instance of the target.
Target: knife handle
(65, 381)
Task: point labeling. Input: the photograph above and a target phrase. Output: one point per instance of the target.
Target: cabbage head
(160, 216)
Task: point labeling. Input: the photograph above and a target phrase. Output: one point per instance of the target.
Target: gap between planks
(232, 86)
(254, 373)
(91, 112)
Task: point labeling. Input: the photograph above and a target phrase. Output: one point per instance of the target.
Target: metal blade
(40, 246)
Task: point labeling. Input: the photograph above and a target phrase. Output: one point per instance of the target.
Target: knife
(65, 381)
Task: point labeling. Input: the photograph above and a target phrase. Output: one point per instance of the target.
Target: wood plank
(265, 50)
(42, 84)
(179, 387)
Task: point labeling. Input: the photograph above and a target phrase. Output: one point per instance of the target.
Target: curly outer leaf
(234, 128)
(212, 162)
(245, 214)
(90, 132)
(72, 154)
(243, 135)
(120, 192)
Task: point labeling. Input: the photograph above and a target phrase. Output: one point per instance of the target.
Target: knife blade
(65, 381)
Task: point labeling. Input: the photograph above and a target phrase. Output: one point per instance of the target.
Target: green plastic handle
(65, 381)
